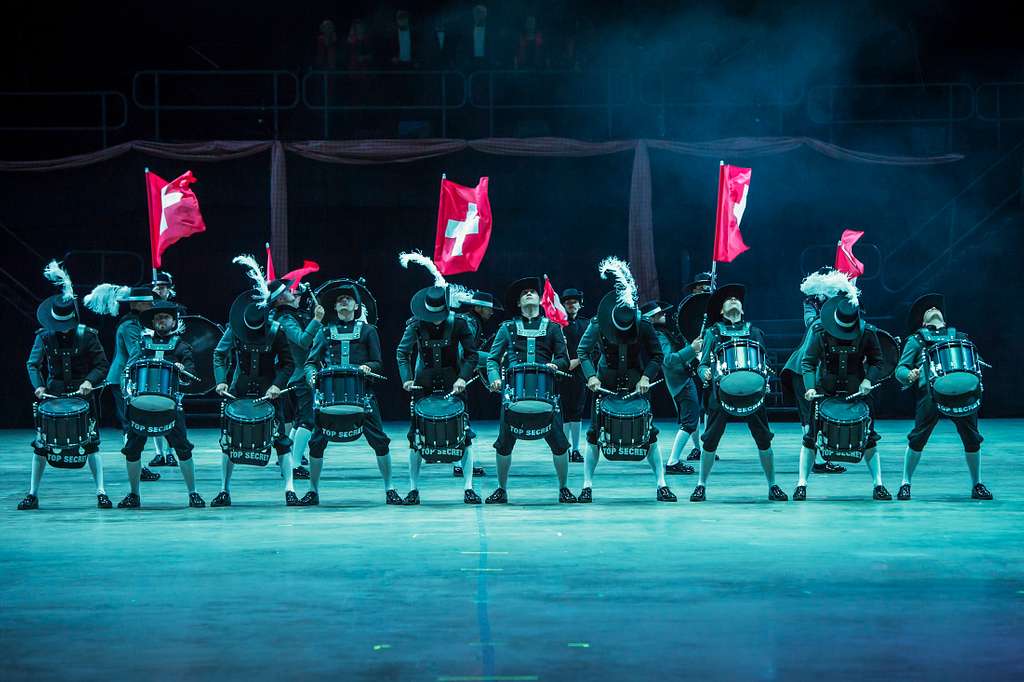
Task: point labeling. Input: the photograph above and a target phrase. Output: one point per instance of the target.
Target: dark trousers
(555, 438)
(177, 438)
(573, 396)
(717, 418)
(373, 431)
(926, 416)
(687, 404)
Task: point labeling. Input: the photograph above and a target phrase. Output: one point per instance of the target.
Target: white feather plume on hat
(60, 277)
(105, 299)
(830, 282)
(625, 285)
(256, 275)
(416, 257)
(459, 295)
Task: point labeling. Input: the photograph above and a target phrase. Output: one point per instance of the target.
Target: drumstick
(449, 395)
(188, 375)
(651, 385)
(228, 395)
(376, 376)
(560, 373)
(602, 389)
(267, 397)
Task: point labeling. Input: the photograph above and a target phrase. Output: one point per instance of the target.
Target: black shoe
(158, 461)
(30, 502)
(904, 492)
(412, 498)
(479, 472)
(305, 461)
(130, 501)
(775, 494)
(300, 473)
(565, 496)
(103, 502)
(827, 468)
(586, 496)
(694, 455)
(880, 493)
(457, 472)
(196, 500)
(680, 468)
(223, 499)
(148, 475)
(291, 499)
(698, 494)
(171, 460)
(576, 457)
(393, 497)
(499, 496)
(310, 499)
(980, 492)
(470, 497)
(800, 494)
(666, 495)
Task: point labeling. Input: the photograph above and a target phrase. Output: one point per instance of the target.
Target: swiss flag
(552, 304)
(463, 227)
(173, 212)
(845, 260)
(733, 186)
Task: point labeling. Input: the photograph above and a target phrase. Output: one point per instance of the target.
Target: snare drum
(529, 400)
(624, 427)
(151, 395)
(440, 425)
(247, 430)
(843, 429)
(341, 402)
(955, 377)
(742, 376)
(63, 425)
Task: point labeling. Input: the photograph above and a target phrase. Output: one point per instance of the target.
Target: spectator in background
(359, 50)
(402, 41)
(478, 49)
(530, 54)
(326, 46)
(441, 49)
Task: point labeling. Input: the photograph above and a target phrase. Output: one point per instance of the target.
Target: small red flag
(270, 264)
(296, 275)
(173, 212)
(845, 260)
(552, 304)
(463, 227)
(733, 186)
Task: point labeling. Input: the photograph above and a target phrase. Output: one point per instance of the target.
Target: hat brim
(832, 326)
(697, 282)
(719, 296)
(418, 307)
(690, 316)
(608, 328)
(915, 320)
(328, 292)
(44, 315)
(236, 318)
(147, 315)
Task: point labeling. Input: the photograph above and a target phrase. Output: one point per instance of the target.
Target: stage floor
(838, 587)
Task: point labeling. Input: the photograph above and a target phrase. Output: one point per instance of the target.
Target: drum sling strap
(62, 356)
(342, 343)
(531, 336)
(255, 351)
(928, 337)
(159, 348)
(434, 348)
(740, 333)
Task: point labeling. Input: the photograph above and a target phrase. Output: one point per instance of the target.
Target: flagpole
(718, 203)
(149, 228)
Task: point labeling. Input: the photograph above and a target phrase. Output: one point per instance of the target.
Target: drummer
(928, 326)
(726, 323)
(630, 360)
(161, 339)
(842, 359)
(163, 289)
(348, 338)
(436, 334)
(528, 338)
(257, 352)
(66, 359)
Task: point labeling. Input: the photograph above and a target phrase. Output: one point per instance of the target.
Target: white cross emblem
(167, 199)
(458, 229)
(738, 209)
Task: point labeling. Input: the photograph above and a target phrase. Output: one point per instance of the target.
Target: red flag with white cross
(173, 212)
(463, 227)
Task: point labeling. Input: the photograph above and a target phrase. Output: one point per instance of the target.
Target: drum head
(342, 409)
(531, 407)
(621, 407)
(742, 384)
(956, 384)
(153, 403)
(437, 407)
(845, 411)
(203, 335)
(61, 407)
(248, 410)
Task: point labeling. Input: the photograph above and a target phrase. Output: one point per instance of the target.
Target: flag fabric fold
(173, 212)
(733, 187)
(271, 276)
(552, 304)
(845, 260)
(463, 227)
(296, 275)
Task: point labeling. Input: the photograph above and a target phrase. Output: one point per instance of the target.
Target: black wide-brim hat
(328, 292)
(245, 307)
(430, 304)
(719, 296)
(57, 314)
(163, 278)
(570, 294)
(606, 309)
(915, 320)
(138, 294)
(652, 308)
(841, 319)
(484, 300)
(514, 290)
(690, 316)
(165, 307)
(703, 278)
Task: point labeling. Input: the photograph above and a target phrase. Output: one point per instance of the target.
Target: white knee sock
(707, 460)
(590, 457)
(806, 462)
(188, 473)
(910, 461)
(696, 436)
(561, 463)
(286, 472)
(974, 466)
(874, 462)
(678, 445)
(414, 469)
(134, 475)
(503, 463)
(467, 468)
(574, 434)
(38, 467)
(657, 465)
(768, 465)
(300, 440)
(226, 468)
(384, 465)
(316, 466)
(160, 445)
(96, 467)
